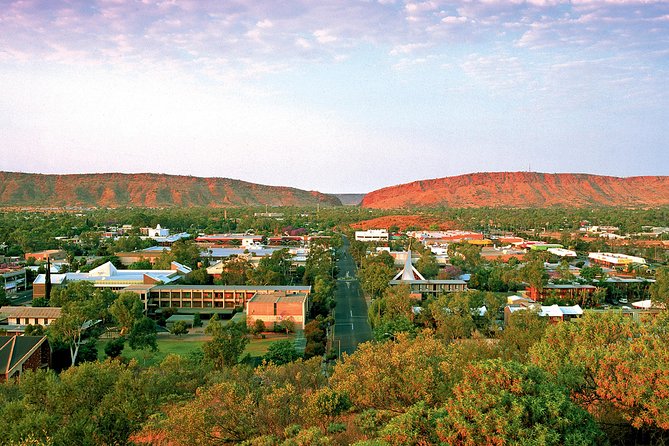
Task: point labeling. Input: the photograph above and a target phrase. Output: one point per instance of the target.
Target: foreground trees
(601, 379)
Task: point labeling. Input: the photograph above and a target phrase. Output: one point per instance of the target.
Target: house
(452, 236)
(611, 260)
(43, 256)
(30, 315)
(272, 308)
(372, 235)
(108, 276)
(555, 313)
(19, 353)
(150, 254)
(560, 291)
(14, 279)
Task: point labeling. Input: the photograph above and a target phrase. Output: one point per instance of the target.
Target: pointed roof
(409, 272)
(15, 350)
(106, 269)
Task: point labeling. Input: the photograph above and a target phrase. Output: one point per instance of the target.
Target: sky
(336, 96)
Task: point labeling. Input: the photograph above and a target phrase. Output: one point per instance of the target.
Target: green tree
(34, 330)
(258, 327)
(281, 352)
(179, 328)
(534, 274)
(227, 344)
(659, 291)
(114, 347)
(374, 278)
(506, 402)
(126, 310)
(79, 312)
(427, 265)
(143, 335)
(141, 264)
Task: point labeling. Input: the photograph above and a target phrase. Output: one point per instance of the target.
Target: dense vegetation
(600, 380)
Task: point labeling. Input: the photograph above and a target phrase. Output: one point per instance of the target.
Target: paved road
(351, 325)
(22, 297)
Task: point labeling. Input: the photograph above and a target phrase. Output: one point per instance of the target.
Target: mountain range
(147, 190)
(524, 189)
(492, 189)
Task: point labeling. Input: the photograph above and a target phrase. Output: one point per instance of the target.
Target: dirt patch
(403, 222)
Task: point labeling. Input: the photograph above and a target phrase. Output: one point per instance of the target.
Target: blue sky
(337, 96)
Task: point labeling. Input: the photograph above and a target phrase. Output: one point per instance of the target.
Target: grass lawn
(183, 345)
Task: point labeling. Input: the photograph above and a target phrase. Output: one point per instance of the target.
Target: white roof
(108, 273)
(559, 311)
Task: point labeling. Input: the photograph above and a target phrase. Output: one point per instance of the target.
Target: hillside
(524, 189)
(147, 190)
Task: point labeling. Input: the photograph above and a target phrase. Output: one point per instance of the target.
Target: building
(561, 252)
(273, 308)
(372, 235)
(13, 280)
(43, 256)
(228, 239)
(150, 254)
(611, 260)
(208, 299)
(107, 276)
(157, 232)
(453, 236)
(555, 313)
(422, 287)
(560, 291)
(30, 315)
(19, 353)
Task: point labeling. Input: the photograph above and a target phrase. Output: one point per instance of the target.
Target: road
(351, 325)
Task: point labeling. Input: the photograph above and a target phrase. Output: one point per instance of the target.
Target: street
(351, 324)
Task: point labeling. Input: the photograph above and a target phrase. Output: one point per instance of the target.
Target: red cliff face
(524, 189)
(147, 190)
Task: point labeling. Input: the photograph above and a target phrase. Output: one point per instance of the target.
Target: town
(332, 292)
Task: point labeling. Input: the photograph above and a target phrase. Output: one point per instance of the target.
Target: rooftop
(32, 312)
(278, 296)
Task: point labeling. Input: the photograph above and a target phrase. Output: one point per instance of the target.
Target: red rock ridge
(147, 190)
(524, 189)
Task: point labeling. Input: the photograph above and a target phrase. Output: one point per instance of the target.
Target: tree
(236, 271)
(374, 278)
(143, 335)
(227, 344)
(281, 352)
(34, 330)
(272, 270)
(395, 304)
(114, 347)
(186, 252)
(427, 265)
(179, 328)
(141, 264)
(659, 291)
(534, 274)
(126, 309)
(258, 327)
(79, 311)
(500, 402)
(394, 375)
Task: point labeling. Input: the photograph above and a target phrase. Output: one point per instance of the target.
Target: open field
(184, 345)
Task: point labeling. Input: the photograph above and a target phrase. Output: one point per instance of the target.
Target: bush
(114, 347)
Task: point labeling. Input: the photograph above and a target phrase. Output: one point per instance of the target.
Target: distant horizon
(327, 192)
